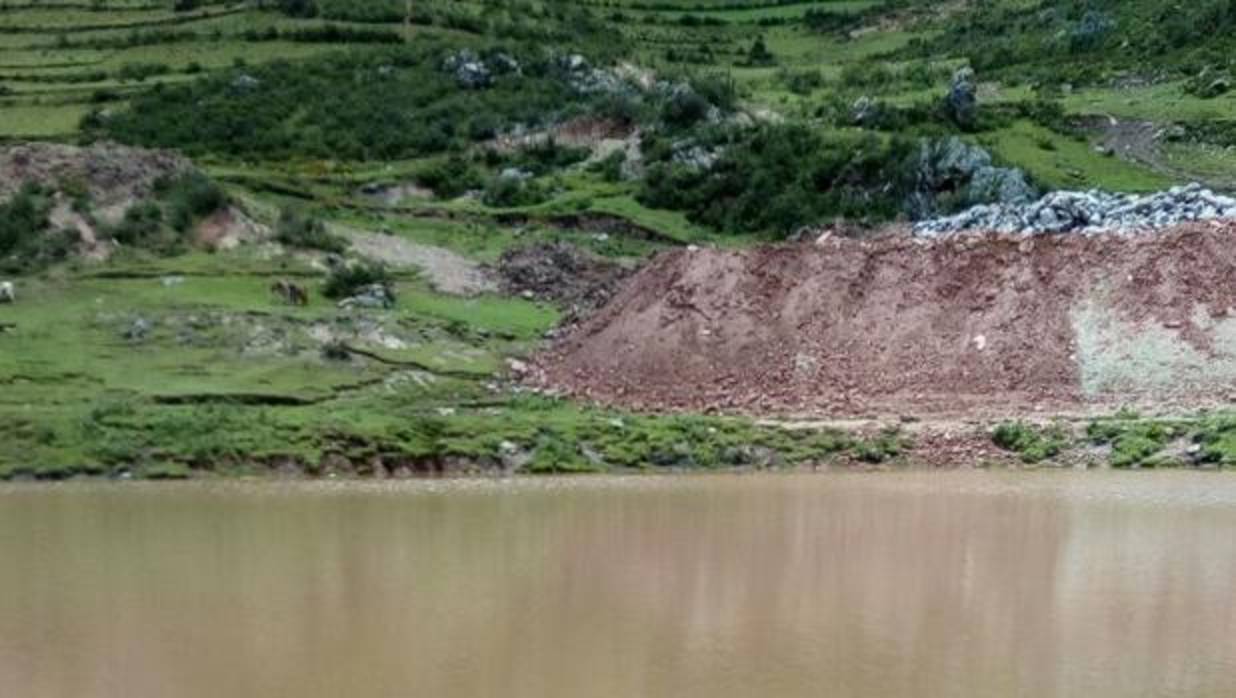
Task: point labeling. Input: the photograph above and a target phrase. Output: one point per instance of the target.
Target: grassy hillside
(620, 128)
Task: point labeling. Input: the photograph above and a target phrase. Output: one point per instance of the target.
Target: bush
(23, 218)
(1032, 443)
(189, 197)
(759, 54)
(780, 177)
(297, 229)
(610, 167)
(378, 104)
(451, 177)
(508, 191)
(346, 280)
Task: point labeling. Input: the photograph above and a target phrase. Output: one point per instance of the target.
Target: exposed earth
(991, 325)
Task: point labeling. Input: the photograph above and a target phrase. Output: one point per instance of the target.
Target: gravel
(1088, 212)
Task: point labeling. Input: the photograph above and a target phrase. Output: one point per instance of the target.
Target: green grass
(1065, 163)
(39, 120)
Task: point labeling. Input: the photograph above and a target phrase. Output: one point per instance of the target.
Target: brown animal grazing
(290, 292)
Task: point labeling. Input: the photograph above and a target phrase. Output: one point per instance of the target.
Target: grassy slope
(78, 397)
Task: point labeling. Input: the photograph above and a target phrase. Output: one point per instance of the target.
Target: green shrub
(189, 197)
(508, 191)
(298, 229)
(346, 280)
(451, 177)
(26, 238)
(1033, 444)
(777, 178)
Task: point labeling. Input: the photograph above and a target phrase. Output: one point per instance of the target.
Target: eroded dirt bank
(979, 325)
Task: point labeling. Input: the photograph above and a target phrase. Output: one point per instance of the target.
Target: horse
(7, 293)
(290, 293)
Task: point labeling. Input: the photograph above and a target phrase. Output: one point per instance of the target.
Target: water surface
(957, 584)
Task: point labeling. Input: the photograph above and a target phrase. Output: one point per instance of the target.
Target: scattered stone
(1088, 212)
(561, 273)
(139, 330)
(469, 70)
(371, 296)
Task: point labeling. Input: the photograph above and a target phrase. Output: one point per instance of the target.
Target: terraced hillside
(494, 170)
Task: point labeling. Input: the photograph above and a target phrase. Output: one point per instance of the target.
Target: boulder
(469, 71)
(370, 296)
(961, 102)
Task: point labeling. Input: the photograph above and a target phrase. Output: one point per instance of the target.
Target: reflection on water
(961, 584)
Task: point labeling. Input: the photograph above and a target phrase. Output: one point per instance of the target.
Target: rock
(1088, 212)
(469, 70)
(954, 166)
(1091, 30)
(961, 102)
(139, 330)
(245, 83)
(1173, 134)
(516, 174)
(865, 112)
(371, 296)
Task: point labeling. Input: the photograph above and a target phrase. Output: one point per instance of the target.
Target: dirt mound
(114, 175)
(561, 273)
(974, 325)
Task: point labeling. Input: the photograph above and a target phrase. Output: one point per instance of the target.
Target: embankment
(980, 325)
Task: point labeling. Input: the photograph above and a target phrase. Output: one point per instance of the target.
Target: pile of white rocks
(1087, 212)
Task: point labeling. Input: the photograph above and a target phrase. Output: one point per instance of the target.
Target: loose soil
(562, 274)
(976, 326)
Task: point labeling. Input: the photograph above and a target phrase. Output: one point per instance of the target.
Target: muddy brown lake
(911, 584)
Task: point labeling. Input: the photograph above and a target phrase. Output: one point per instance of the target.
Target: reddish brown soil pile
(896, 325)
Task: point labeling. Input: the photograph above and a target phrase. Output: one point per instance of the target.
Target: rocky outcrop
(1088, 212)
(961, 102)
(965, 173)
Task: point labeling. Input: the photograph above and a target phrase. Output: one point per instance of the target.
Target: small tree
(759, 53)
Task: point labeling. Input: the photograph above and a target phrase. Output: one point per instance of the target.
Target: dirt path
(1140, 142)
(445, 270)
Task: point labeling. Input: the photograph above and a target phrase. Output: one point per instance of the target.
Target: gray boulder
(961, 102)
(469, 70)
(965, 171)
(371, 296)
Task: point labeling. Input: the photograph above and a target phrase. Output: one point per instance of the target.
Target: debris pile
(1088, 212)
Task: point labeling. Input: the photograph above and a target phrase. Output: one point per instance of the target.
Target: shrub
(507, 191)
(610, 167)
(759, 54)
(189, 197)
(346, 280)
(297, 229)
(451, 177)
(23, 218)
(780, 177)
(1032, 443)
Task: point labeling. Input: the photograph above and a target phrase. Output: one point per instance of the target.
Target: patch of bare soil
(973, 325)
(563, 274)
(228, 228)
(445, 270)
(115, 176)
